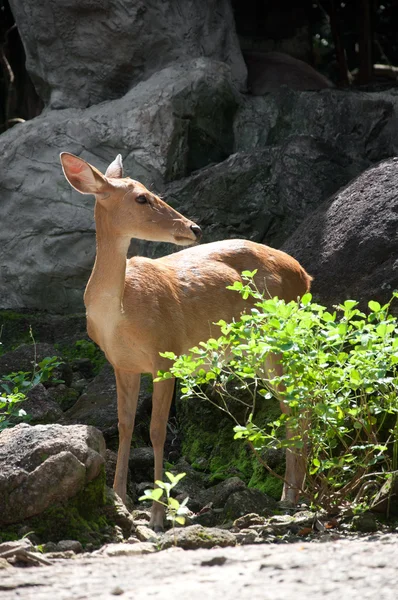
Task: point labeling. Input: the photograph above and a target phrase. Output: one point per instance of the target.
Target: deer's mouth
(185, 241)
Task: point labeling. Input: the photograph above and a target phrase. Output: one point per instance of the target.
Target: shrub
(339, 382)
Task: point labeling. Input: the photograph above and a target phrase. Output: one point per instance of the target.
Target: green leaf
(157, 493)
(173, 504)
(249, 274)
(180, 520)
(350, 304)
(374, 306)
(161, 484)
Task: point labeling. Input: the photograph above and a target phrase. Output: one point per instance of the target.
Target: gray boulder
(246, 501)
(81, 52)
(40, 407)
(177, 121)
(98, 405)
(262, 195)
(45, 464)
(25, 358)
(350, 243)
(360, 127)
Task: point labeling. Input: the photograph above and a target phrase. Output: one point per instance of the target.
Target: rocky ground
(337, 569)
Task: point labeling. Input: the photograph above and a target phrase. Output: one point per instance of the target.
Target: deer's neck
(105, 289)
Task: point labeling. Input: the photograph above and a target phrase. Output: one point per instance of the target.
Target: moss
(84, 349)
(14, 328)
(203, 535)
(9, 534)
(208, 438)
(81, 518)
(272, 486)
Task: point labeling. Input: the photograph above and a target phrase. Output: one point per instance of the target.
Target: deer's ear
(82, 176)
(115, 169)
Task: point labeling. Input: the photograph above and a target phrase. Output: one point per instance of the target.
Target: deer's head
(128, 206)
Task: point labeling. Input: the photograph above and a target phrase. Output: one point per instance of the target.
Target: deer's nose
(197, 231)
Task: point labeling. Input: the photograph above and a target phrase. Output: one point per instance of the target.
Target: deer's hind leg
(295, 459)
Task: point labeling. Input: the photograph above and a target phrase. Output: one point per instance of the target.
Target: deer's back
(183, 294)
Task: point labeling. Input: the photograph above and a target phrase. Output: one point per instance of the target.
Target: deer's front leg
(128, 387)
(161, 402)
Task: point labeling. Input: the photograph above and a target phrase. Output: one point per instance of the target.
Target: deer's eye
(141, 199)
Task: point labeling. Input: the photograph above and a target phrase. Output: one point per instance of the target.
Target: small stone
(59, 555)
(365, 523)
(117, 591)
(141, 516)
(126, 549)
(4, 564)
(141, 464)
(304, 518)
(217, 561)
(133, 540)
(247, 536)
(69, 545)
(249, 520)
(49, 547)
(196, 536)
(280, 523)
(117, 512)
(145, 534)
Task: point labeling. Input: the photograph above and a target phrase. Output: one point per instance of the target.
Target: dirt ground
(341, 569)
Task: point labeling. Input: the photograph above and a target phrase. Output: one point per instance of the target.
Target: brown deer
(139, 308)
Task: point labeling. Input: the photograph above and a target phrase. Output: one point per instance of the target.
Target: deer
(138, 308)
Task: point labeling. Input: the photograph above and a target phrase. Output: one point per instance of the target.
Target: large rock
(350, 243)
(81, 52)
(177, 121)
(98, 405)
(262, 195)
(27, 358)
(39, 407)
(361, 127)
(176, 133)
(45, 464)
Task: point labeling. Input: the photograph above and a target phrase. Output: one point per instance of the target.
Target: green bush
(339, 383)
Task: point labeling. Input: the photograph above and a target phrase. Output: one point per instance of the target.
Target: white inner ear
(115, 169)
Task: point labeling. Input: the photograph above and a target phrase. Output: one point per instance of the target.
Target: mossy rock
(17, 327)
(208, 439)
(87, 518)
(196, 536)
